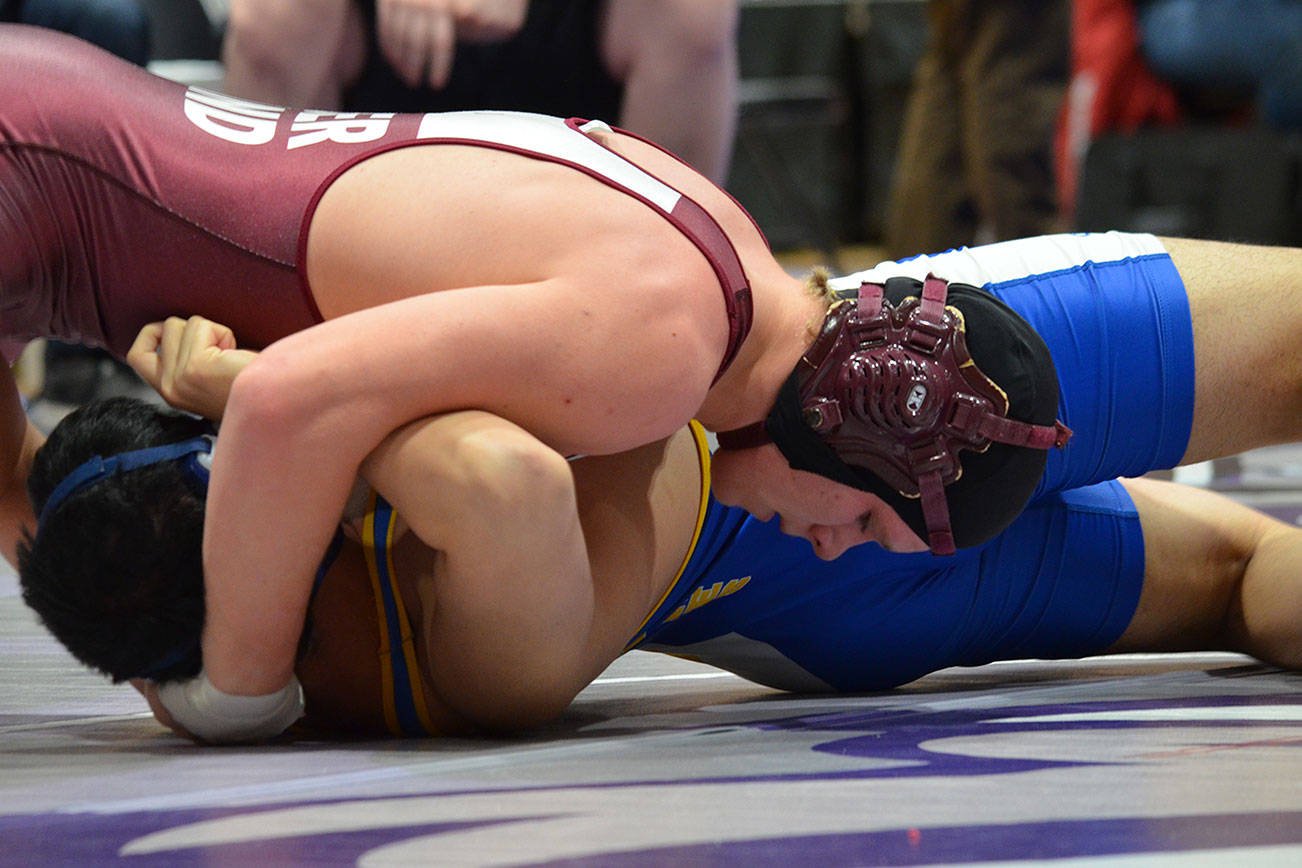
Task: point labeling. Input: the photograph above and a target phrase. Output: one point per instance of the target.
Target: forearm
(259, 570)
(304, 415)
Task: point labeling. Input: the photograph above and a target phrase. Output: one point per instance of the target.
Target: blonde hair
(816, 284)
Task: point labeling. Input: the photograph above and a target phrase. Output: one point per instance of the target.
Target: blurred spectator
(1250, 48)
(975, 161)
(1112, 88)
(1160, 62)
(666, 69)
(120, 26)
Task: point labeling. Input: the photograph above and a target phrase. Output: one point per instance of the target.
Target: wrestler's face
(832, 516)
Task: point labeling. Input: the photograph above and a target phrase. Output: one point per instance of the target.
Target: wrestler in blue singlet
(1062, 581)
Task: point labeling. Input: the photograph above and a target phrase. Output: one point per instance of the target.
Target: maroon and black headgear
(903, 377)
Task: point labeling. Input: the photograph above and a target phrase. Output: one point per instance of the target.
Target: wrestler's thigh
(1115, 317)
(1246, 327)
(1197, 545)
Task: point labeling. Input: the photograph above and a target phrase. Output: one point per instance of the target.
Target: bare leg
(293, 52)
(1247, 329)
(1217, 576)
(678, 62)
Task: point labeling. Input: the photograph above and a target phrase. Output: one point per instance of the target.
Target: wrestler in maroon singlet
(125, 199)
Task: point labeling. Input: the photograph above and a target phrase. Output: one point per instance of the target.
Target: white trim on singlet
(1011, 260)
(548, 137)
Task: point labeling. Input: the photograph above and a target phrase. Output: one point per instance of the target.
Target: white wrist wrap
(214, 716)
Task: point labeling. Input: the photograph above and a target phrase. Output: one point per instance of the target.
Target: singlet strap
(700, 227)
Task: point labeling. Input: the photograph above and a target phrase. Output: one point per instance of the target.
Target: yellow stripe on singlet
(406, 635)
(703, 456)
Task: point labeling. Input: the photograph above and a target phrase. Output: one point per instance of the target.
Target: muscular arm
(512, 623)
(583, 377)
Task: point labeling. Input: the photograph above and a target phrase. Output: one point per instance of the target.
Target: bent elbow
(260, 395)
(526, 710)
(278, 389)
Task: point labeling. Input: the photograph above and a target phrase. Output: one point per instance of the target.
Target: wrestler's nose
(828, 544)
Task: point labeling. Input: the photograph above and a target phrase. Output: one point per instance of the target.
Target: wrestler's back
(118, 209)
(615, 319)
(493, 217)
(128, 198)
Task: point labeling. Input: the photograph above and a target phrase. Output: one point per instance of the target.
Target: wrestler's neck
(787, 319)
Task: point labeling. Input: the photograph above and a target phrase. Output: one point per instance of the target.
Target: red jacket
(1111, 89)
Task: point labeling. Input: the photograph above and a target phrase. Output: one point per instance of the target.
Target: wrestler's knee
(1267, 622)
(682, 30)
(119, 26)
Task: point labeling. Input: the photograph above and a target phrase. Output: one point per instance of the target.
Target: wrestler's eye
(864, 521)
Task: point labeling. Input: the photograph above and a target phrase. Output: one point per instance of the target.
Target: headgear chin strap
(197, 452)
(892, 389)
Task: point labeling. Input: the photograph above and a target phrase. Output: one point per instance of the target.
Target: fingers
(149, 690)
(490, 20)
(169, 351)
(397, 39)
(191, 363)
(418, 38)
(143, 355)
(442, 48)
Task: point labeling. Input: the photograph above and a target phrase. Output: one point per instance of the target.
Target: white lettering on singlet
(252, 123)
(311, 128)
(235, 120)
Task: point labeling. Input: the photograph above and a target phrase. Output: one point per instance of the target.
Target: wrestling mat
(1134, 760)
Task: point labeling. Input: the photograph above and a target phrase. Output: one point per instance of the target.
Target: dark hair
(116, 571)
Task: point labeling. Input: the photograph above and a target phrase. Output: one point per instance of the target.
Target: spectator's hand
(191, 363)
(490, 20)
(419, 37)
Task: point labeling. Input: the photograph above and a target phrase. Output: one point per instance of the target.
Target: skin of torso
(638, 512)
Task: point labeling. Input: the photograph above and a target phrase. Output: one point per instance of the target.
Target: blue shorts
(1112, 309)
(1062, 581)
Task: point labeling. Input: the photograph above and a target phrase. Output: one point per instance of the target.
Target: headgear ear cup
(900, 381)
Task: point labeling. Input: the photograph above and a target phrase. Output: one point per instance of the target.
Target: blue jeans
(1253, 45)
(120, 26)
